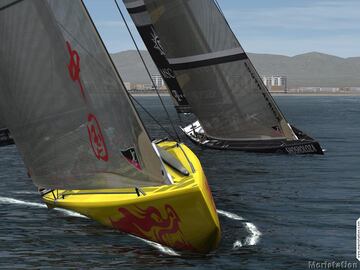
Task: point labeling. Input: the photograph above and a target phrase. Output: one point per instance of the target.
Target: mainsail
(64, 103)
(214, 73)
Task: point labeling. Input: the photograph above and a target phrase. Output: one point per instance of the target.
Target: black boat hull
(304, 145)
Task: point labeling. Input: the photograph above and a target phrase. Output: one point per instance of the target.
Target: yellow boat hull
(182, 216)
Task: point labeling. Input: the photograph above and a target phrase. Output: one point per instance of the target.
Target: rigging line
(152, 117)
(219, 8)
(147, 70)
(10, 4)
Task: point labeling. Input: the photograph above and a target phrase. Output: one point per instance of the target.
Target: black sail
(214, 73)
(64, 103)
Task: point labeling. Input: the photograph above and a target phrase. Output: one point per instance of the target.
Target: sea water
(276, 211)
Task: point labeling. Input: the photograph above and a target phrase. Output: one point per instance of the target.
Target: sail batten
(207, 59)
(64, 103)
(207, 56)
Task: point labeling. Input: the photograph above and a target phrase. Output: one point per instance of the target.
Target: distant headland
(311, 73)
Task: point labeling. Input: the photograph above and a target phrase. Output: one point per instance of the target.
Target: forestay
(216, 76)
(64, 103)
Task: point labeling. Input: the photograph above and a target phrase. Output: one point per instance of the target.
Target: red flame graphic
(96, 138)
(151, 224)
(74, 67)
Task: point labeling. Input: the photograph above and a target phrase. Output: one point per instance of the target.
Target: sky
(286, 27)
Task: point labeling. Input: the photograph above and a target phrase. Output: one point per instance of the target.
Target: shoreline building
(158, 80)
(276, 84)
(138, 87)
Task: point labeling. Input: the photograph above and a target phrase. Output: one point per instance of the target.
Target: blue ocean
(276, 211)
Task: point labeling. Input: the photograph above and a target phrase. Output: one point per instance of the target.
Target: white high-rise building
(158, 80)
(275, 83)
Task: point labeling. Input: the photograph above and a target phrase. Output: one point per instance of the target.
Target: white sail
(64, 103)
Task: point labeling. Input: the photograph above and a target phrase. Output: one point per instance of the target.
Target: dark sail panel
(140, 16)
(64, 103)
(217, 78)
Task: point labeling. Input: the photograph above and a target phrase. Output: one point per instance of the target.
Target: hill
(305, 70)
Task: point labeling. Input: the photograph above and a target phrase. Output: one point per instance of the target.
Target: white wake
(229, 215)
(254, 234)
(161, 248)
(70, 213)
(6, 200)
(25, 192)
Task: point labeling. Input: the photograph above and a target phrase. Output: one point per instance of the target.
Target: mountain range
(305, 70)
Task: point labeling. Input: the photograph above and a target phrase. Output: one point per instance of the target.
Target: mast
(65, 104)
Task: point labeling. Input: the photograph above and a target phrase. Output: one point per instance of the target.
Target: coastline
(317, 94)
(273, 94)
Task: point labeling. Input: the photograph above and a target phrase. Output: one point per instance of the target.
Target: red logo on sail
(74, 67)
(153, 225)
(96, 138)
